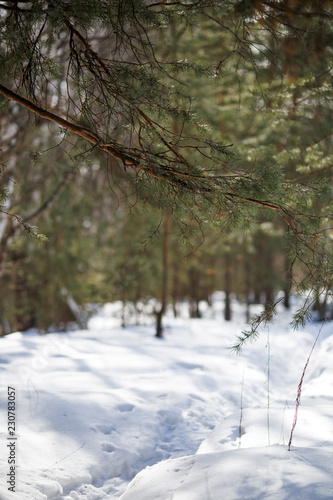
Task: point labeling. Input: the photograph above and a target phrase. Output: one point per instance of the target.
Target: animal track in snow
(126, 407)
(108, 447)
(104, 429)
(190, 366)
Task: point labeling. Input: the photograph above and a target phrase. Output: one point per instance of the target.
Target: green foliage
(217, 111)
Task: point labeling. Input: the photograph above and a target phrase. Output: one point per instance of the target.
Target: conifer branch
(78, 130)
(266, 204)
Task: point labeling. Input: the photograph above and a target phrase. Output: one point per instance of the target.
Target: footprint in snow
(104, 429)
(108, 447)
(190, 366)
(126, 407)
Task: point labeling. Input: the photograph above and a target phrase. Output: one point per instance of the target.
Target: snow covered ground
(109, 413)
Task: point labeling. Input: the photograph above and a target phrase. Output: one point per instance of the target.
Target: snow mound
(253, 473)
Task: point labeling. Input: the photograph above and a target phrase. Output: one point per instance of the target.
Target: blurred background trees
(217, 114)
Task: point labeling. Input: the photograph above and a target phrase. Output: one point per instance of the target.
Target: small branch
(69, 454)
(241, 414)
(299, 390)
(268, 386)
(44, 206)
(266, 204)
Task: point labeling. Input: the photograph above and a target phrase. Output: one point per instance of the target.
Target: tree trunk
(247, 270)
(175, 289)
(227, 279)
(194, 296)
(123, 313)
(269, 280)
(286, 300)
(269, 298)
(288, 282)
(165, 270)
(159, 327)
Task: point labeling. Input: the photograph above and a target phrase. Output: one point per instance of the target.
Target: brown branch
(48, 115)
(110, 148)
(113, 149)
(87, 46)
(279, 209)
(179, 157)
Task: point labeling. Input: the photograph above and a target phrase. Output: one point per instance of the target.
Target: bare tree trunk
(227, 280)
(165, 271)
(175, 289)
(247, 287)
(269, 288)
(287, 289)
(194, 295)
(5, 244)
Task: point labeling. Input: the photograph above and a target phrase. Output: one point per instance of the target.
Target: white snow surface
(111, 412)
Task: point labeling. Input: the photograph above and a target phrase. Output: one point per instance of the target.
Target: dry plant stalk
(299, 391)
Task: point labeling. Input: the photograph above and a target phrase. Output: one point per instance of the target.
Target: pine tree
(96, 70)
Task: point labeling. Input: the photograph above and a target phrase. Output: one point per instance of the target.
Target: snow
(108, 412)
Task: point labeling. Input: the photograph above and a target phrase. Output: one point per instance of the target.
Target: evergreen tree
(96, 70)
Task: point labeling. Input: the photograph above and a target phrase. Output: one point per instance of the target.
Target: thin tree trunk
(194, 278)
(269, 298)
(247, 287)
(165, 271)
(175, 289)
(268, 288)
(286, 300)
(227, 279)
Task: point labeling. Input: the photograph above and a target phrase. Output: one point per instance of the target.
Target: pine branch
(92, 137)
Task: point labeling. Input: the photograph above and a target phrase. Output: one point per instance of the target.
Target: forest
(155, 152)
(166, 267)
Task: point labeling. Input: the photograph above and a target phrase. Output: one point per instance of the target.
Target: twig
(268, 388)
(69, 454)
(299, 390)
(282, 425)
(241, 413)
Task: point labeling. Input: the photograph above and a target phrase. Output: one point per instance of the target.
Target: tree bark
(227, 280)
(165, 271)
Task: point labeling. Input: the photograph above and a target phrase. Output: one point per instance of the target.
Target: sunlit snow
(113, 412)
